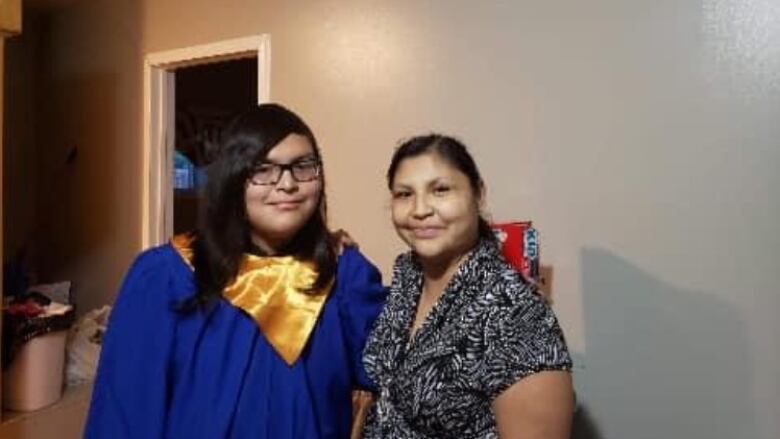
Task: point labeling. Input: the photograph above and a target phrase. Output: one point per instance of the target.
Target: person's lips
(287, 204)
(426, 232)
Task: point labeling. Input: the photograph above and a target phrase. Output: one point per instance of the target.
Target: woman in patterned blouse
(465, 347)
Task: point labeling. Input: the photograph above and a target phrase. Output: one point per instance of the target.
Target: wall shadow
(583, 425)
(661, 361)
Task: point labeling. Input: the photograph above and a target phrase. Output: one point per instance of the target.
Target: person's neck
(267, 247)
(437, 272)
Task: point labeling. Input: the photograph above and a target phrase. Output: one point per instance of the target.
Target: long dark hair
(453, 151)
(223, 235)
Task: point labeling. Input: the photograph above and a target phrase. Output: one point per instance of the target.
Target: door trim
(158, 119)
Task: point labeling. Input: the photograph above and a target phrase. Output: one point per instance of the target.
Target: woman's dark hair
(223, 235)
(451, 150)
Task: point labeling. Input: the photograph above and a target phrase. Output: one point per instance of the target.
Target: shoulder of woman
(160, 257)
(352, 255)
(151, 259)
(359, 289)
(508, 286)
(155, 268)
(351, 258)
(354, 266)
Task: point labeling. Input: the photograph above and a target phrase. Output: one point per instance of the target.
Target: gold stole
(275, 292)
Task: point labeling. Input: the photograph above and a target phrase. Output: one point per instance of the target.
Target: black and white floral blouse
(488, 330)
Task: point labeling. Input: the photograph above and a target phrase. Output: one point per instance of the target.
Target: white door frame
(159, 111)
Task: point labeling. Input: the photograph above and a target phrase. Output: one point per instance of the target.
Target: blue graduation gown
(168, 374)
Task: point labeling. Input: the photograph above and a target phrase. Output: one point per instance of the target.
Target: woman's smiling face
(277, 212)
(435, 209)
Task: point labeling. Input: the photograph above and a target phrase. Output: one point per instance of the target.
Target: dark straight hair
(224, 232)
(454, 152)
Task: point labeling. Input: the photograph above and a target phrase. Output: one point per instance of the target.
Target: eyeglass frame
(286, 167)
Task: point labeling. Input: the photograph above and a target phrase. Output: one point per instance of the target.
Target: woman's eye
(264, 169)
(398, 195)
(441, 190)
(304, 166)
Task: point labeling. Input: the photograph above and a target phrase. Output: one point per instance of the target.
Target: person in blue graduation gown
(254, 325)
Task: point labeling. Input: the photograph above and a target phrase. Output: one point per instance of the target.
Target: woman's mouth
(287, 205)
(426, 232)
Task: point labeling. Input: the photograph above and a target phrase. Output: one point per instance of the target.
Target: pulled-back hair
(449, 149)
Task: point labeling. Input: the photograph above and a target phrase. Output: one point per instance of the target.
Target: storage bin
(34, 378)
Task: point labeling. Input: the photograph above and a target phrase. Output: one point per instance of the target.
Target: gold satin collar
(273, 291)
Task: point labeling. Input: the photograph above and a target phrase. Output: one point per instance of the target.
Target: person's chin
(427, 248)
(286, 225)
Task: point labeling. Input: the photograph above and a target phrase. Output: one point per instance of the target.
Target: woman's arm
(539, 406)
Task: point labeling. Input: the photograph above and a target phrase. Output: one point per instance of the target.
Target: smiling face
(435, 210)
(277, 212)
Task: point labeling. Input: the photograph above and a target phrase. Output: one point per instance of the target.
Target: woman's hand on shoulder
(539, 406)
(342, 239)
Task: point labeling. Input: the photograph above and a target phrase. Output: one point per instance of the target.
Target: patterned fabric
(488, 330)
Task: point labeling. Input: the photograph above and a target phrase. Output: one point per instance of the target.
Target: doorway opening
(190, 94)
(208, 96)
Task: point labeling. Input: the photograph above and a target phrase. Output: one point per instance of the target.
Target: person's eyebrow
(303, 158)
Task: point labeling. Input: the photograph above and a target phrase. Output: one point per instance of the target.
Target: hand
(342, 240)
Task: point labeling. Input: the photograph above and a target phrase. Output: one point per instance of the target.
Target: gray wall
(641, 137)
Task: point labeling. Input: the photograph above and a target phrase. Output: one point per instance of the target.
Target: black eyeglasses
(270, 173)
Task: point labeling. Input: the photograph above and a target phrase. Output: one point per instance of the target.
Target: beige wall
(90, 95)
(641, 137)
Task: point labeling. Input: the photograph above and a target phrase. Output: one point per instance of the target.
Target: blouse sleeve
(361, 301)
(522, 337)
(129, 398)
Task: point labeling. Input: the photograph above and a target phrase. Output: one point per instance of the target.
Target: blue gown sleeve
(361, 298)
(129, 398)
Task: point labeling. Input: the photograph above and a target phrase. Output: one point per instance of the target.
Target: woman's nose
(421, 208)
(286, 181)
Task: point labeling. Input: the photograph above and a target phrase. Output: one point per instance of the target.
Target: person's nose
(286, 181)
(422, 207)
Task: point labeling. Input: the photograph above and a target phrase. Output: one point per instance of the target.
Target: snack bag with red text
(520, 245)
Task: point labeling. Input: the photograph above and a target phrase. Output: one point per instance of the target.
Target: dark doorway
(208, 96)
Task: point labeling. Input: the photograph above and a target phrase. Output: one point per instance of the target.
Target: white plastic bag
(84, 342)
(57, 292)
